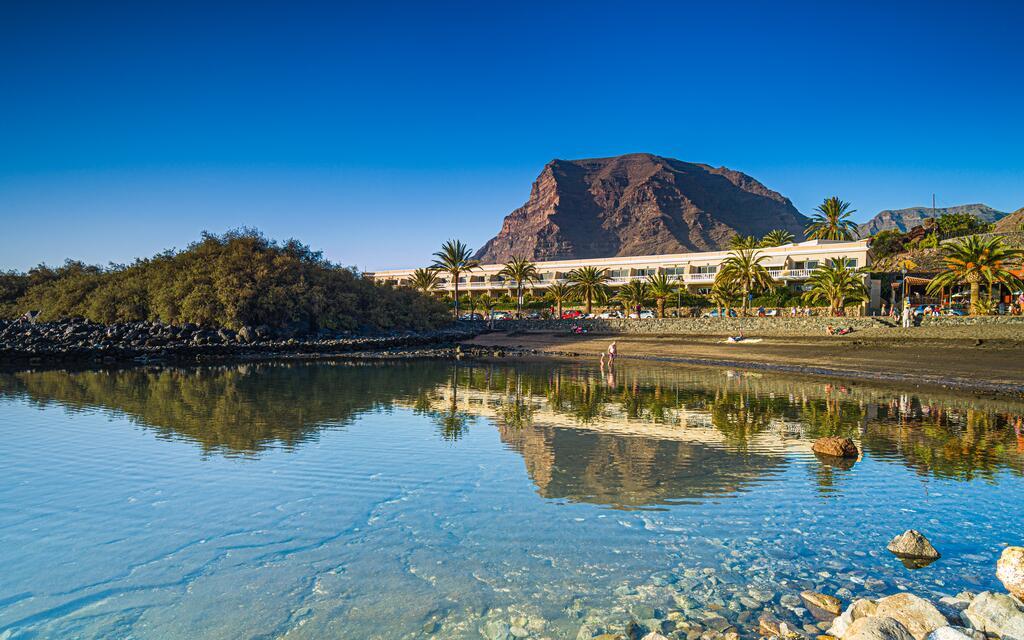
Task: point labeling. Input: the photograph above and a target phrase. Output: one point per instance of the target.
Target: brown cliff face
(637, 204)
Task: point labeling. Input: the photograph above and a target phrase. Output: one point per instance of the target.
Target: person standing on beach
(612, 352)
(906, 316)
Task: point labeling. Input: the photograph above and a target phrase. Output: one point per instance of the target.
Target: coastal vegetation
(832, 221)
(522, 272)
(240, 278)
(455, 259)
(589, 284)
(974, 260)
(836, 284)
(743, 268)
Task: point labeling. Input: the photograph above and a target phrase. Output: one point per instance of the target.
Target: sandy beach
(975, 358)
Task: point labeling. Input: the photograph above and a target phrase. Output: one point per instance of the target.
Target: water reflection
(638, 436)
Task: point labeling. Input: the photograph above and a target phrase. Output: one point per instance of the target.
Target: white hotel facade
(790, 264)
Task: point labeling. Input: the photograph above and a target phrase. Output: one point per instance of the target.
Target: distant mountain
(1011, 222)
(637, 204)
(906, 219)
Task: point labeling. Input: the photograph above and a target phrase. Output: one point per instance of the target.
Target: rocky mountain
(637, 204)
(1011, 222)
(905, 219)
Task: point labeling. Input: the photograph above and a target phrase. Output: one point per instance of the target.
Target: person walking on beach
(906, 316)
(612, 352)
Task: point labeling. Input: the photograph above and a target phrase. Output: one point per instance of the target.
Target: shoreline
(979, 366)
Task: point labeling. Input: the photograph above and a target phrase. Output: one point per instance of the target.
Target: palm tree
(776, 238)
(425, 280)
(455, 258)
(488, 303)
(634, 294)
(558, 293)
(743, 242)
(974, 259)
(832, 222)
(838, 284)
(588, 284)
(724, 293)
(744, 268)
(521, 271)
(661, 288)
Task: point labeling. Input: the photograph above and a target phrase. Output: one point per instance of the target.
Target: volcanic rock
(1010, 570)
(637, 204)
(835, 447)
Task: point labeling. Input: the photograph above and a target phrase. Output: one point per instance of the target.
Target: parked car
(533, 315)
(610, 314)
(471, 316)
(644, 315)
(571, 314)
(499, 315)
(714, 313)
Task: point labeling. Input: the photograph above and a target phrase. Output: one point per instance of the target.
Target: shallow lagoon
(453, 500)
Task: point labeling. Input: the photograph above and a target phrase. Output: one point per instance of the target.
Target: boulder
(835, 447)
(1010, 570)
(995, 614)
(822, 602)
(950, 633)
(859, 609)
(246, 335)
(913, 544)
(916, 614)
(877, 628)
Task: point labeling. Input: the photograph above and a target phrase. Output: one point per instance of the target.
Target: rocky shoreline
(702, 604)
(77, 342)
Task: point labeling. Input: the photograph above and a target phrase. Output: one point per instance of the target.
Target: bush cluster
(231, 280)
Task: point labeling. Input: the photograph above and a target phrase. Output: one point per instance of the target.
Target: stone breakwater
(84, 343)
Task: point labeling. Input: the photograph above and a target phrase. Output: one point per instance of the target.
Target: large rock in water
(835, 447)
(919, 616)
(637, 204)
(1010, 570)
(913, 544)
(996, 614)
(877, 628)
(862, 608)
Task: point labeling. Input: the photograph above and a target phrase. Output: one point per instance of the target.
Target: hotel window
(645, 272)
(706, 268)
(851, 263)
(675, 271)
(619, 273)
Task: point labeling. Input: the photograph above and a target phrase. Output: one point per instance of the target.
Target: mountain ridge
(910, 217)
(637, 204)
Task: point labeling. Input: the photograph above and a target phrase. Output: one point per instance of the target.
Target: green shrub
(239, 278)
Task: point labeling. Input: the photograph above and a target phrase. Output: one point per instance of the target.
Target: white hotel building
(790, 264)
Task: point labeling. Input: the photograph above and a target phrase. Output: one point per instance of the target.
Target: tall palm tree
(661, 288)
(558, 293)
(832, 222)
(425, 280)
(776, 238)
(634, 294)
(522, 272)
(975, 259)
(837, 284)
(743, 267)
(455, 259)
(589, 284)
(743, 242)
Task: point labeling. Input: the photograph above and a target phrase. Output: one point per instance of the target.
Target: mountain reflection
(643, 435)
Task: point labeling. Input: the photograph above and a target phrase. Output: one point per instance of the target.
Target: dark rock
(836, 447)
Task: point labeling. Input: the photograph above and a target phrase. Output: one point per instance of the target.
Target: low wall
(813, 325)
(697, 326)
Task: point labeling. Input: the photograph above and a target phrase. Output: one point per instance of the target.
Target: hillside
(637, 204)
(906, 219)
(1011, 222)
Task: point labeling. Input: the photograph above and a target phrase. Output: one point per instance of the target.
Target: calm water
(413, 500)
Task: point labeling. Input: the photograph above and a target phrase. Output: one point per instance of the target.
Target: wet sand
(965, 362)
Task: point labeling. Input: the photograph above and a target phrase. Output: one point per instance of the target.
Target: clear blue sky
(376, 130)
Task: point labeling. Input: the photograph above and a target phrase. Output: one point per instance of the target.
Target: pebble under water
(454, 500)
